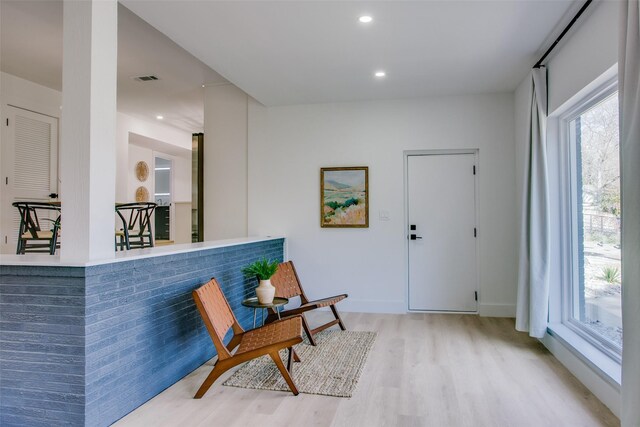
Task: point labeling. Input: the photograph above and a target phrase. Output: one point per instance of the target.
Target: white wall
(139, 154)
(225, 162)
(29, 96)
(158, 131)
(588, 52)
(289, 145)
(181, 173)
(24, 94)
(181, 180)
(163, 140)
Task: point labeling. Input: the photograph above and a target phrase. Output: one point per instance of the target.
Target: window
(592, 297)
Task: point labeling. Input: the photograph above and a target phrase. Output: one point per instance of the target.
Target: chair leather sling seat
(287, 284)
(270, 339)
(278, 332)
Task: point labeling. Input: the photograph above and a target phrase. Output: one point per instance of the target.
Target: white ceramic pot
(265, 292)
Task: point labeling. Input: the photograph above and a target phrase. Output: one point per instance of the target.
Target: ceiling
(31, 48)
(295, 52)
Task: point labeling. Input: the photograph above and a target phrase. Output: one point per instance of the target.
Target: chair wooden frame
(136, 229)
(270, 339)
(287, 284)
(31, 235)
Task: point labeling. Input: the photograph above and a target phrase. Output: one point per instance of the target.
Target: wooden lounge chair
(288, 285)
(269, 339)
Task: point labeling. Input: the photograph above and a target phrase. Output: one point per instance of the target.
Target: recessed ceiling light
(159, 117)
(365, 19)
(380, 74)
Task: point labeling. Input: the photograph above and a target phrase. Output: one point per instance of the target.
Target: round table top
(254, 303)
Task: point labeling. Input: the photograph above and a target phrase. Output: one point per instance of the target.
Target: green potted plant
(263, 270)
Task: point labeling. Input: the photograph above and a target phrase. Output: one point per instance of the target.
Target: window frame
(569, 220)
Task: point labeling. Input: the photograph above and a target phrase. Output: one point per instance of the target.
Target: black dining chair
(39, 229)
(135, 231)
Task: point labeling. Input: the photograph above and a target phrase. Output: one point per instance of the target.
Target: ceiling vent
(145, 78)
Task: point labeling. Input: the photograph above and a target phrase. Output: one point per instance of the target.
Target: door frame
(172, 205)
(441, 152)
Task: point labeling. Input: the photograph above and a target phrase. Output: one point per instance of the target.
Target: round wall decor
(142, 194)
(142, 171)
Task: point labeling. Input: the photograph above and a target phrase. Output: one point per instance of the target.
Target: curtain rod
(562, 34)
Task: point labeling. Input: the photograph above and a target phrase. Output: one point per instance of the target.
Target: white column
(88, 130)
(225, 162)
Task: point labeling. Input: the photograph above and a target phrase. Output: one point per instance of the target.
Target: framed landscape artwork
(344, 197)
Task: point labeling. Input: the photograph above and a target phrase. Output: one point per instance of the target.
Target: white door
(30, 165)
(442, 251)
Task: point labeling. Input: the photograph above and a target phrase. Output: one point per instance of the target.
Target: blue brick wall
(41, 347)
(139, 332)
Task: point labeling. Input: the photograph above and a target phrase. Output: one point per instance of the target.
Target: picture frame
(344, 197)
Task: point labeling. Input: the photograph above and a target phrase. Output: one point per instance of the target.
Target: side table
(255, 304)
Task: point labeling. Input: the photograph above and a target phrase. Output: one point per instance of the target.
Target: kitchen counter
(85, 344)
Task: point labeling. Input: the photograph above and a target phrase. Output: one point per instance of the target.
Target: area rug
(332, 368)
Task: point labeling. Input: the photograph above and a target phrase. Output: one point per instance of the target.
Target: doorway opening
(163, 198)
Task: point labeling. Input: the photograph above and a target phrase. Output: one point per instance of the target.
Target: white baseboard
(497, 310)
(372, 306)
(377, 306)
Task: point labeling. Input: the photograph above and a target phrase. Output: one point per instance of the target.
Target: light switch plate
(383, 215)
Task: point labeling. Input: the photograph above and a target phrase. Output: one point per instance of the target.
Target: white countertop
(44, 260)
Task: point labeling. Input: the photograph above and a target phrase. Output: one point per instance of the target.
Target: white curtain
(629, 90)
(532, 308)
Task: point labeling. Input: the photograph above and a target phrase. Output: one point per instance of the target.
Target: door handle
(53, 195)
(414, 237)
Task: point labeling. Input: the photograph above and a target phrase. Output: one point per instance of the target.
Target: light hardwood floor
(424, 370)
